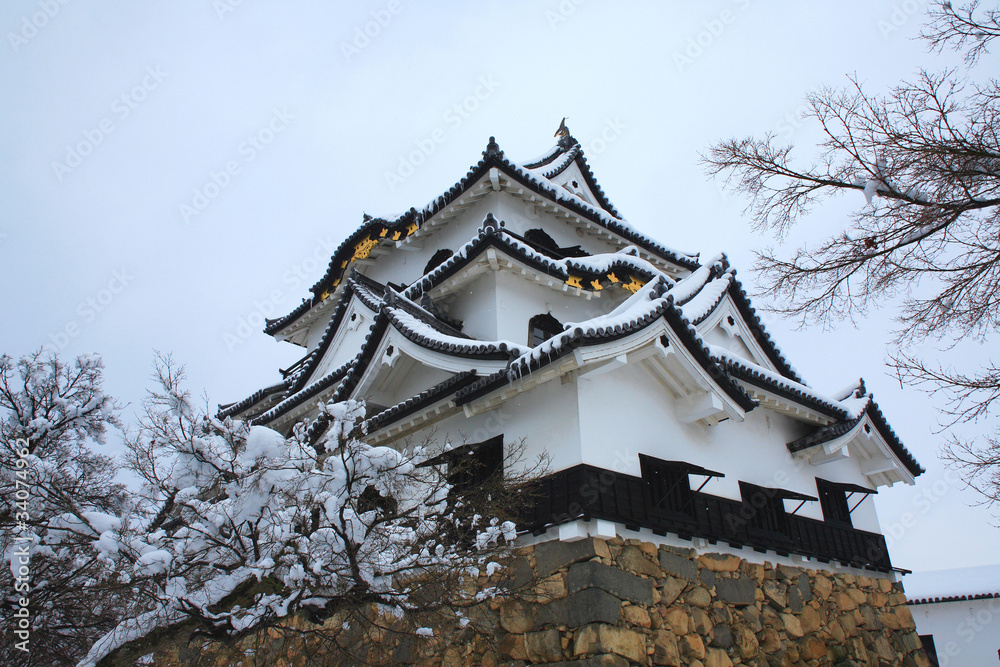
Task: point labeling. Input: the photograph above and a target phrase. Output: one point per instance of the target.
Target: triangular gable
(661, 328)
(864, 436)
(376, 231)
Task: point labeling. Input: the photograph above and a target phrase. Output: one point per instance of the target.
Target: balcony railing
(587, 492)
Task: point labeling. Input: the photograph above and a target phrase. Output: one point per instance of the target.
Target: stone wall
(626, 602)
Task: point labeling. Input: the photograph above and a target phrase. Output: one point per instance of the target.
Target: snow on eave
(319, 386)
(860, 411)
(365, 290)
(766, 379)
(412, 220)
(967, 583)
(425, 399)
(239, 407)
(492, 235)
(639, 312)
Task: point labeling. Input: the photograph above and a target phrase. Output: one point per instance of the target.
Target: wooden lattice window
(541, 328)
(835, 499)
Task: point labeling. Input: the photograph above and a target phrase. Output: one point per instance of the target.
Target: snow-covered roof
(375, 231)
(967, 583)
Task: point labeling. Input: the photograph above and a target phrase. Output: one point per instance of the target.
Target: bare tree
(241, 528)
(926, 157)
(57, 499)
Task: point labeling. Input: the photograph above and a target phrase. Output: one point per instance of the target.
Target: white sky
(162, 94)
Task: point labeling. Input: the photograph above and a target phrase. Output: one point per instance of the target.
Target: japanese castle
(520, 306)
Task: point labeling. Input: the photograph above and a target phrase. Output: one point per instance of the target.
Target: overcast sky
(175, 171)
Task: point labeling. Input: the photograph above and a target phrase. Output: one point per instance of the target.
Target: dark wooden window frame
(835, 497)
(542, 327)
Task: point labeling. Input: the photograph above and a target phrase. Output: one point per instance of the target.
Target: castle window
(541, 328)
(471, 466)
(835, 498)
(669, 486)
(546, 245)
(437, 259)
(764, 508)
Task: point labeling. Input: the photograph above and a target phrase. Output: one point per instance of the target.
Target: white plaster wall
(406, 379)
(545, 418)
(348, 340)
(965, 633)
(626, 412)
(519, 299)
(405, 264)
(519, 216)
(476, 307)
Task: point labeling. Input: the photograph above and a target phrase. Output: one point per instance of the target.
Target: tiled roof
(421, 400)
(374, 230)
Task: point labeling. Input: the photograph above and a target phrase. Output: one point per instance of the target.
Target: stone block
(738, 591)
(794, 599)
(515, 617)
(520, 573)
(633, 560)
(792, 625)
(679, 566)
(543, 646)
(692, 647)
(707, 577)
(595, 661)
(716, 657)
(621, 584)
(700, 621)
(720, 562)
(677, 621)
(665, 650)
(591, 605)
(636, 616)
(555, 555)
(805, 590)
(599, 638)
(746, 642)
(722, 637)
(822, 586)
(698, 596)
(776, 594)
(810, 620)
(671, 588)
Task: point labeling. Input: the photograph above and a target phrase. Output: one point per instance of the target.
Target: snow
(263, 442)
(701, 304)
(155, 562)
(981, 580)
(723, 354)
(424, 329)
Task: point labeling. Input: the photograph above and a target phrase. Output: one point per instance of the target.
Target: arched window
(437, 259)
(546, 245)
(541, 328)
